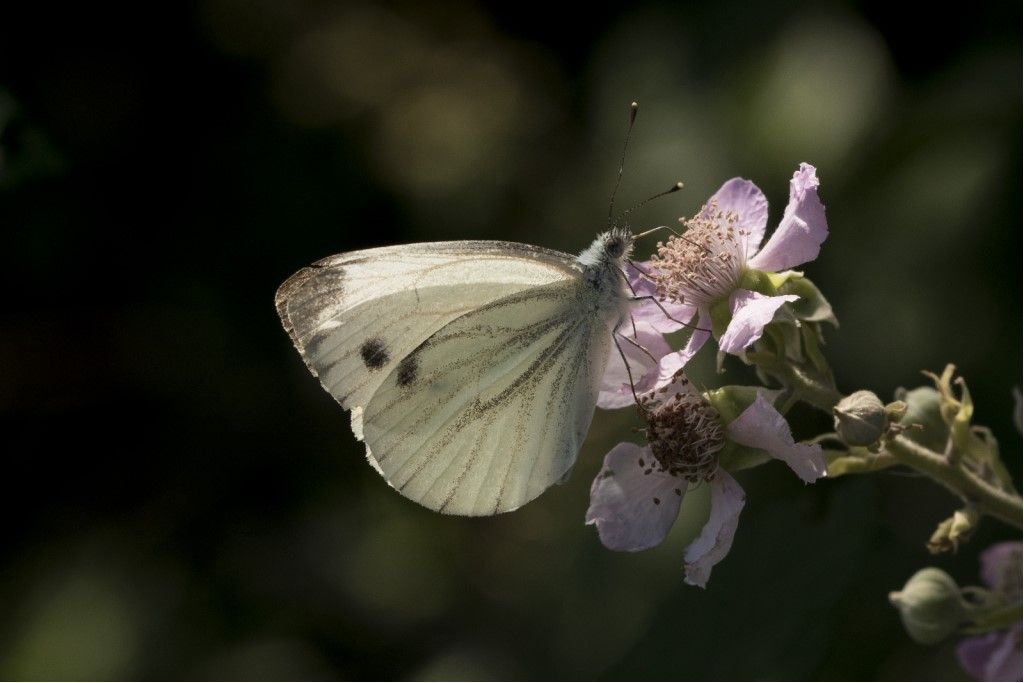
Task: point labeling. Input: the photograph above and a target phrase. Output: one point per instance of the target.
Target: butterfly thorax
(603, 263)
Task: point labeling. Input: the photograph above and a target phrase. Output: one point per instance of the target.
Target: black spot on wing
(374, 353)
(408, 369)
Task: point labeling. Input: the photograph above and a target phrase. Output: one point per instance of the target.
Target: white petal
(802, 230)
(632, 503)
(761, 426)
(746, 201)
(663, 316)
(672, 363)
(615, 391)
(751, 311)
(715, 540)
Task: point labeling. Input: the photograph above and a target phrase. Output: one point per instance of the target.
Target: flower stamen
(684, 432)
(705, 263)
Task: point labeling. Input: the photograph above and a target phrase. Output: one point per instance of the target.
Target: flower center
(705, 263)
(684, 432)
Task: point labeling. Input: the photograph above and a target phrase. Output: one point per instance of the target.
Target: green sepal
(812, 306)
(721, 315)
(780, 279)
(975, 445)
(950, 533)
(812, 346)
(730, 402)
(733, 457)
(759, 281)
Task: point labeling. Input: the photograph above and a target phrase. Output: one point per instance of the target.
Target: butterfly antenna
(633, 108)
(675, 188)
(645, 233)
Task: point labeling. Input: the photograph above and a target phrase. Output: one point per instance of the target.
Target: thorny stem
(962, 482)
(949, 472)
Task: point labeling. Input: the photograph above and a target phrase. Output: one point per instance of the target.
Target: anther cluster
(703, 264)
(684, 432)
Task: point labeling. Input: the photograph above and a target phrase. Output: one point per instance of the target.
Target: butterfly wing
(491, 409)
(499, 323)
(354, 316)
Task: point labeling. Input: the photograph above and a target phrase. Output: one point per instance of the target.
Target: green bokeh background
(182, 500)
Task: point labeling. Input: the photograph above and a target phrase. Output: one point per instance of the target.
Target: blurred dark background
(182, 500)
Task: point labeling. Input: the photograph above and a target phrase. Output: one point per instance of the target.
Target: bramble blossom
(635, 498)
(703, 277)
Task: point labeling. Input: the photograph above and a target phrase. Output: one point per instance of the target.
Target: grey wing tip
(288, 289)
(285, 292)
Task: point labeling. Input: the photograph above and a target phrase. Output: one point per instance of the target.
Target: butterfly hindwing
(491, 409)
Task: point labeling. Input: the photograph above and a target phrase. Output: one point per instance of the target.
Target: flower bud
(930, 606)
(860, 419)
(923, 419)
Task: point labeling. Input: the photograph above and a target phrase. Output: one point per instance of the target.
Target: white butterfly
(471, 368)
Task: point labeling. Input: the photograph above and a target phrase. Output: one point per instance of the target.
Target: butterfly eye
(614, 246)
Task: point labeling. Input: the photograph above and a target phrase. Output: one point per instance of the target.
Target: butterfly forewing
(491, 410)
(354, 316)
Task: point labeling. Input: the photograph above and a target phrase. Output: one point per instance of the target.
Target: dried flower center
(705, 263)
(684, 433)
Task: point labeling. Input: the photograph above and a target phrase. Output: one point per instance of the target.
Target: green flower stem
(855, 464)
(800, 380)
(987, 619)
(949, 472)
(819, 394)
(965, 484)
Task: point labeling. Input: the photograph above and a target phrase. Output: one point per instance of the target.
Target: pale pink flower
(635, 498)
(707, 264)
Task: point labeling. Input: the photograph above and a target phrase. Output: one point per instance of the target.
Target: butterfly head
(617, 243)
(610, 248)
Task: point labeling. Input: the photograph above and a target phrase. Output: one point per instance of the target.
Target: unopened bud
(860, 419)
(930, 606)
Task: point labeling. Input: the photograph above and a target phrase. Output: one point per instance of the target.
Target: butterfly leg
(651, 297)
(629, 371)
(658, 303)
(636, 342)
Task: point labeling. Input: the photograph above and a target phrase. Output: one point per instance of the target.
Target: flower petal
(994, 656)
(632, 502)
(746, 201)
(715, 540)
(672, 363)
(761, 426)
(615, 391)
(803, 227)
(1001, 565)
(663, 316)
(751, 311)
